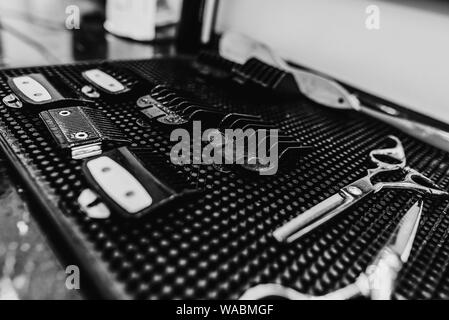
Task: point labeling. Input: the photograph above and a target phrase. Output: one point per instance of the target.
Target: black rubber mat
(219, 244)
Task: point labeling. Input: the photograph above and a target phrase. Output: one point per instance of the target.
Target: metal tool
(328, 92)
(378, 282)
(387, 160)
(82, 131)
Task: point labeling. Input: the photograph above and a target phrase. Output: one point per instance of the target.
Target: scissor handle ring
(396, 153)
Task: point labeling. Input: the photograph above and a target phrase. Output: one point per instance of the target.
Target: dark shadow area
(437, 6)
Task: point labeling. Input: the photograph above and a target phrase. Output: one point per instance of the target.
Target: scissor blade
(307, 221)
(324, 211)
(401, 241)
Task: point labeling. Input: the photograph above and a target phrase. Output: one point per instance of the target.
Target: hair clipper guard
(112, 82)
(254, 73)
(36, 91)
(170, 109)
(122, 182)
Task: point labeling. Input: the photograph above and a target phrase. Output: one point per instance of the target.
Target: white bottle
(134, 19)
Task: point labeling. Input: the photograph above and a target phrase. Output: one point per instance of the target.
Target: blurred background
(61, 31)
(403, 60)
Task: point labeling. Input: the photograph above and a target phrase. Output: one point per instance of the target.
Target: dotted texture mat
(219, 244)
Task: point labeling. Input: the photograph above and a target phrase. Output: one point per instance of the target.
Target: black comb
(212, 64)
(257, 73)
(132, 183)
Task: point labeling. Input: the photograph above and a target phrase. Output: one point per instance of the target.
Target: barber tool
(327, 92)
(104, 81)
(251, 141)
(239, 48)
(111, 82)
(90, 92)
(37, 91)
(131, 183)
(253, 74)
(288, 149)
(152, 109)
(379, 280)
(387, 160)
(81, 130)
(169, 108)
(258, 73)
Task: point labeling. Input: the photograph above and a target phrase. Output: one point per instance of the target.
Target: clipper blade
(81, 130)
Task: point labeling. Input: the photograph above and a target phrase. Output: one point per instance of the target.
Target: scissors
(387, 160)
(379, 279)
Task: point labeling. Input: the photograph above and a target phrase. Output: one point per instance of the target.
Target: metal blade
(402, 238)
(323, 90)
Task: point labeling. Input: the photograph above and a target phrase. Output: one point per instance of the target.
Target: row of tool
(133, 183)
(380, 278)
(36, 91)
(82, 130)
(171, 110)
(127, 181)
(70, 112)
